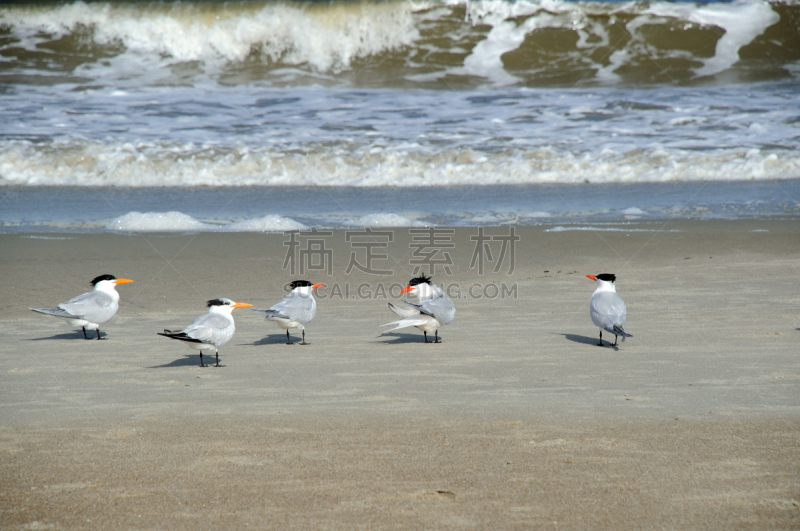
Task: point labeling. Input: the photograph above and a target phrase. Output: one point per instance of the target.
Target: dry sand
(516, 421)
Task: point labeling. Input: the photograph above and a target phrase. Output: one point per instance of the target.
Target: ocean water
(271, 116)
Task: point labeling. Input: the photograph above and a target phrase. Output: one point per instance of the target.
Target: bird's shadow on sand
(70, 335)
(401, 339)
(587, 340)
(189, 360)
(277, 339)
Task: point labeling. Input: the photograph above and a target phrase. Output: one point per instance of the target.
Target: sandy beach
(517, 420)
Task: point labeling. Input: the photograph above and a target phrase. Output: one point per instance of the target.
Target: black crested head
(300, 284)
(422, 279)
(608, 277)
(101, 278)
(218, 302)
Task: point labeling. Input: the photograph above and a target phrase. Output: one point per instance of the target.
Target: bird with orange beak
(211, 330)
(92, 308)
(296, 309)
(607, 309)
(433, 310)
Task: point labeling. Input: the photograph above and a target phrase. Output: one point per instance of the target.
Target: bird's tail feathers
(619, 331)
(55, 312)
(178, 335)
(404, 323)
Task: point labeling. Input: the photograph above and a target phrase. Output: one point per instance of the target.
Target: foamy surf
(182, 136)
(180, 222)
(592, 228)
(386, 220)
(92, 164)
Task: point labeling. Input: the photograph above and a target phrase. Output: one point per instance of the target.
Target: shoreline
(274, 208)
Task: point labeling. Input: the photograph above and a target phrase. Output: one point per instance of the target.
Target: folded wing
(94, 306)
(294, 307)
(608, 311)
(440, 307)
(402, 312)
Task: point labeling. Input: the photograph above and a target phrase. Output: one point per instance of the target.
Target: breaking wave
(94, 164)
(430, 44)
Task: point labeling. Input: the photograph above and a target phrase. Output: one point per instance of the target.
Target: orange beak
(407, 289)
(592, 277)
(318, 285)
(123, 281)
(241, 305)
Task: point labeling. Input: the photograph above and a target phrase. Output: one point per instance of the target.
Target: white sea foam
(386, 220)
(36, 237)
(507, 34)
(180, 222)
(272, 223)
(182, 136)
(742, 22)
(634, 211)
(561, 228)
(80, 163)
(155, 222)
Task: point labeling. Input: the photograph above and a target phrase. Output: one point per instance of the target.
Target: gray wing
(403, 312)
(271, 314)
(296, 307)
(209, 328)
(607, 311)
(440, 307)
(94, 306)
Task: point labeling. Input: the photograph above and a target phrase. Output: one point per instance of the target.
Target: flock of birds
(298, 307)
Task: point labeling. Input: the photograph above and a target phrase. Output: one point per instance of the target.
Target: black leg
(98, 334)
(288, 339)
(436, 339)
(201, 359)
(601, 339)
(84, 332)
(216, 353)
(616, 337)
(303, 342)
(426, 336)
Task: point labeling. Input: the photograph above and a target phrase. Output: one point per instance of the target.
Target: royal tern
(93, 308)
(295, 309)
(607, 308)
(211, 330)
(432, 312)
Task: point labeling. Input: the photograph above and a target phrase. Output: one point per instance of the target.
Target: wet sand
(516, 420)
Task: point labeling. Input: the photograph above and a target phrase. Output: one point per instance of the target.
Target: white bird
(607, 308)
(211, 330)
(295, 309)
(93, 308)
(433, 311)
